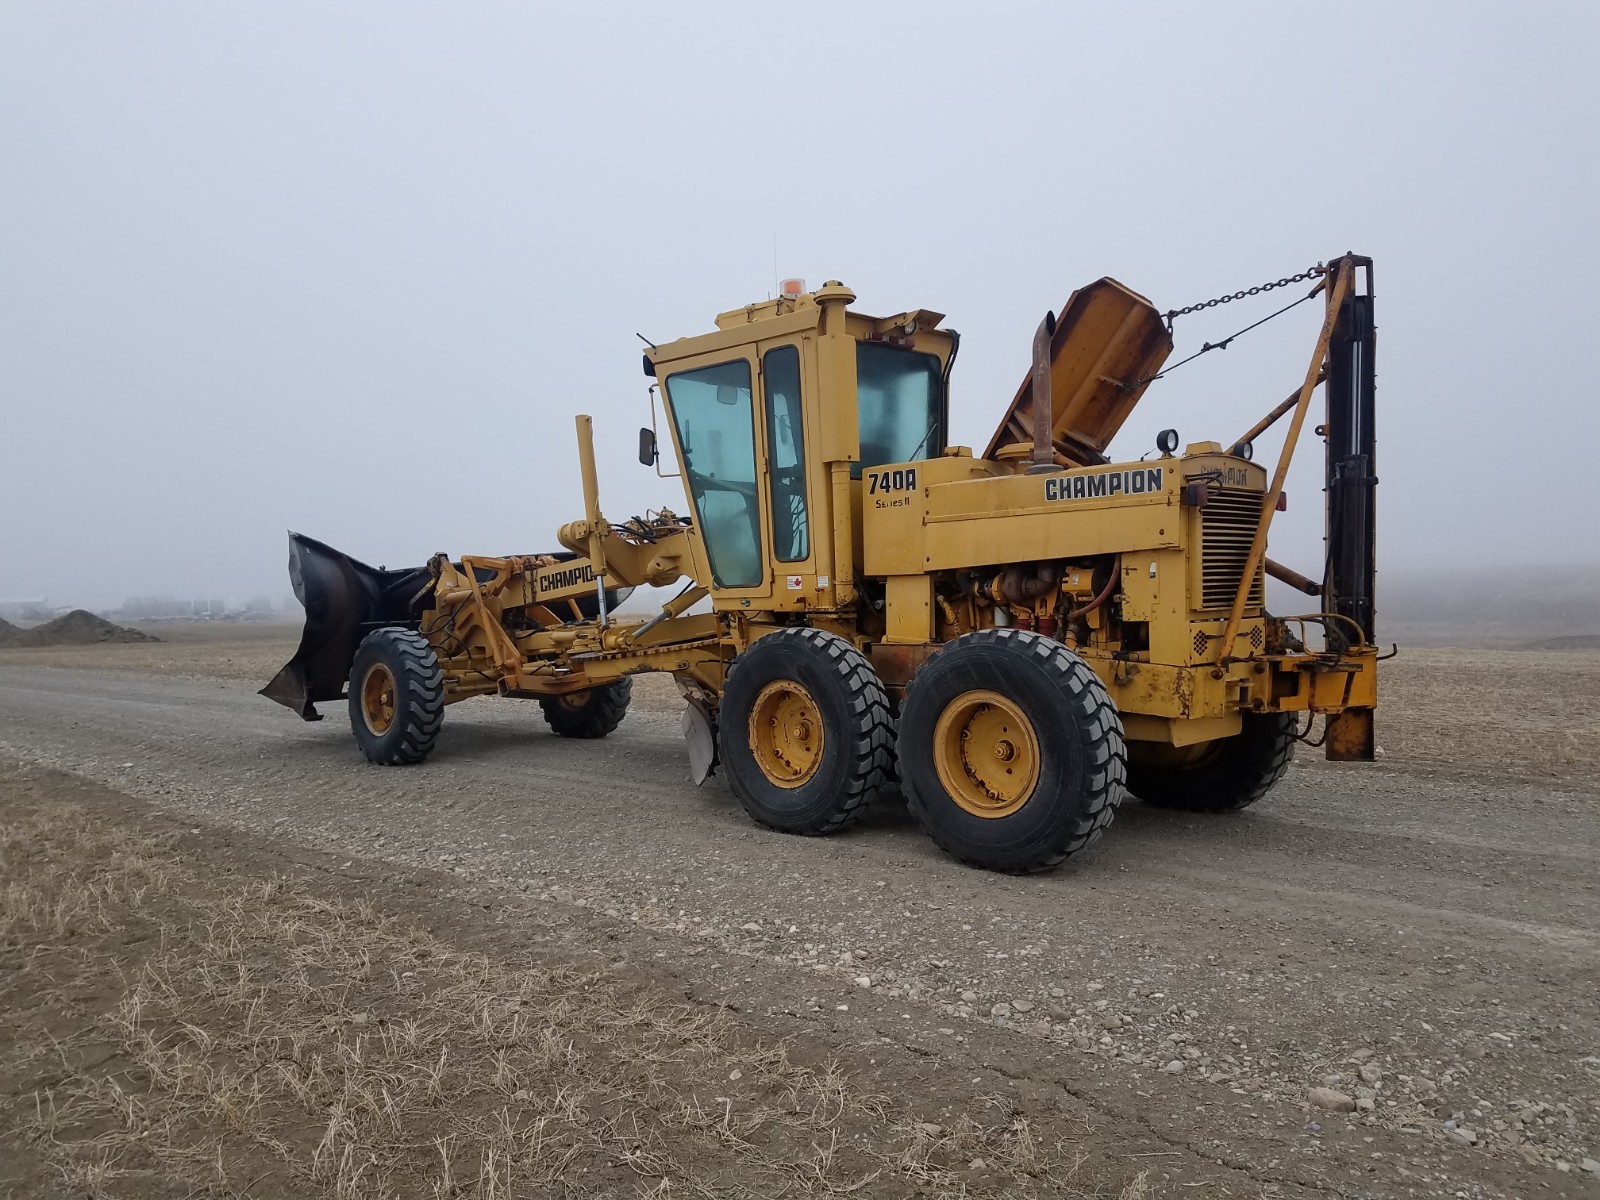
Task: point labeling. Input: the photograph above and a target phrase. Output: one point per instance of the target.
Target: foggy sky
(352, 269)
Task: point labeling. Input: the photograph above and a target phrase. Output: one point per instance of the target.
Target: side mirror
(648, 454)
(649, 367)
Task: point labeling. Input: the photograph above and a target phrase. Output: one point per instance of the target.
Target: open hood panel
(1108, 341)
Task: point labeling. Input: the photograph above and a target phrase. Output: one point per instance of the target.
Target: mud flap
(1350, 736)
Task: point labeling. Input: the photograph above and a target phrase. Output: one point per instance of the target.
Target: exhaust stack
(1044, 452)
(1098, 356)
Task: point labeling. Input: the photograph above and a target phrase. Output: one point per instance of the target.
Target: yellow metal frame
(946, 546)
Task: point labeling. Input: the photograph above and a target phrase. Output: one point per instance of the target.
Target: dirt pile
(76, 628)
(1576, 641)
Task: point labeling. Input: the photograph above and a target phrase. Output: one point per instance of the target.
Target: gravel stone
(1324, 1097)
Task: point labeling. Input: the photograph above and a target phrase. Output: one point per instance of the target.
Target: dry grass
(181, 1034)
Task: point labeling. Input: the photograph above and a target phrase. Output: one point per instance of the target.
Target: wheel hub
(378, 699)
(986, 754)
(786, 733)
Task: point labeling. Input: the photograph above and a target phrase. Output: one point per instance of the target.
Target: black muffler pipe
(1352, 468)
(1043, 457)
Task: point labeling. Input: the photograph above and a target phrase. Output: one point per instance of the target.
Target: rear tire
(396, 697)
(590, 714)
(804, 732)
(1011, 751)
(1228, 774)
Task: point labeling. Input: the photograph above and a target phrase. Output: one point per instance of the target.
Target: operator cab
(782, 401)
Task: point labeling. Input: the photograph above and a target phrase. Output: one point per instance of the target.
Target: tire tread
(411, 655)
(1105, 750)
(1247, 770)
(872, 736)
(607, 706)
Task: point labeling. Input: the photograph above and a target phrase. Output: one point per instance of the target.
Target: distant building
(171, 608)
(25, 608)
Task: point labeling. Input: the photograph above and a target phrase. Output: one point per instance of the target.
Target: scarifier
(1021, 638)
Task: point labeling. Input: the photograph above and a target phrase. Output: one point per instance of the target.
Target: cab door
(790, 476)
(716, 423)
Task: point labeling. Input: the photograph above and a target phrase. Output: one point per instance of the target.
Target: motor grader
(1020, 637)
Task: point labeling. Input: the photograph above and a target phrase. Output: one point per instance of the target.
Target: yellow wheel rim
(786, 733)
(986, 754)
(575, 701)
(377, 699)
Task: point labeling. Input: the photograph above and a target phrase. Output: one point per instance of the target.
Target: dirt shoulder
(191, 1011)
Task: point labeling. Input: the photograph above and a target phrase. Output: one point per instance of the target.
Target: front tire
(396, 697)
(1221, 776)
(590, 714)
(1011, 751)
(804, 732)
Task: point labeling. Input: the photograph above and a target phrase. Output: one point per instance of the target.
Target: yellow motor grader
(1020, 637)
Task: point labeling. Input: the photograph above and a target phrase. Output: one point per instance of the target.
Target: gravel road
(1418, 944)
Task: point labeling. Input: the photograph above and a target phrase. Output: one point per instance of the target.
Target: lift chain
(1309, 273)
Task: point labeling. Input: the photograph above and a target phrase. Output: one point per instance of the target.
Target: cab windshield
(898, 397)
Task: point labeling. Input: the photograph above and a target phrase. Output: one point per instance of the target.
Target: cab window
(786, 454)
(712, 413)
(898, 399)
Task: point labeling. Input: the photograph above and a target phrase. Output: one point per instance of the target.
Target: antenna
(775, 288)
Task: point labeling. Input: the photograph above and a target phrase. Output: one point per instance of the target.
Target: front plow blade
(343, 599)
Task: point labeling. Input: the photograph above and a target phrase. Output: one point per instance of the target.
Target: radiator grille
(1227, 524)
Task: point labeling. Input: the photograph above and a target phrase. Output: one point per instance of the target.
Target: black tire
(1228, 774)
(416, 703)
(1073, 750)
(856, 753)
(590, 714)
